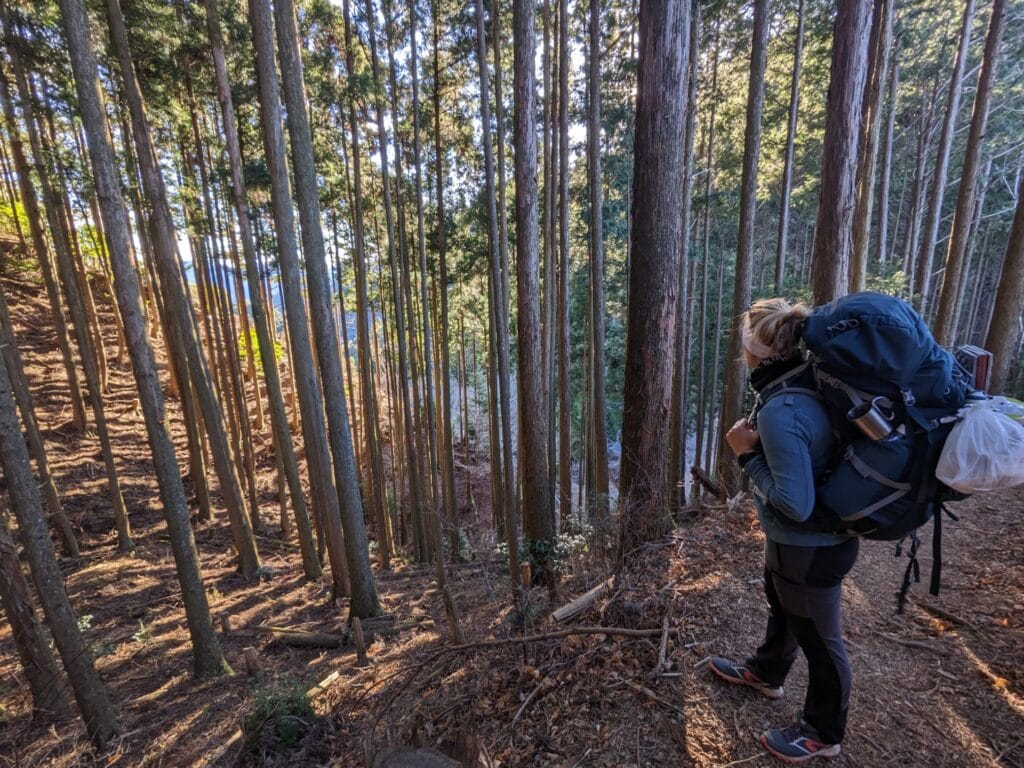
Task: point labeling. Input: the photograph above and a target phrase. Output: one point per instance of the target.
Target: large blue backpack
(868, 348)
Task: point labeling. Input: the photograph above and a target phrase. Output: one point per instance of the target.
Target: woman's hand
(742, 438)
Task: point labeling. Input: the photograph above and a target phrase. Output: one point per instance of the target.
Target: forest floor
(938, 686)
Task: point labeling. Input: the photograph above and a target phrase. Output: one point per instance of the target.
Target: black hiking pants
(803, 587)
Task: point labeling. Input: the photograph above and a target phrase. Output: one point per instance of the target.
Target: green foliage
(243, 349)
(282, 714)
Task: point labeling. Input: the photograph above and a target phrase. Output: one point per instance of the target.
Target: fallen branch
(583, 602)
(942, 613)
(702, 477)
(918, 644)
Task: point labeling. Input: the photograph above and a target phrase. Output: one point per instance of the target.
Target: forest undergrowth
(939, 686)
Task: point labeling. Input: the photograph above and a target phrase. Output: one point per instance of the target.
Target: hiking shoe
(734, 672)
(797, 743)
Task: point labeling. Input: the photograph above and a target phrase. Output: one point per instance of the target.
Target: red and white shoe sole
(826, 754)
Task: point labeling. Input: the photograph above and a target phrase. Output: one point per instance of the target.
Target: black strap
(913, 570)
(933, 587)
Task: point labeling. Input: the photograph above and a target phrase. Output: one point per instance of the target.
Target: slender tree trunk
(948, 309)
(439, 514)
(681, 363)
(182, 332)
(305, 381)
(77, 307)
(444, 367)
(22, 395)
(787, 165)
(415, 491)
(879, 47)
(538, 516)
(365, 602)
(378, 496)
(703, 424)
(44, 680)
(283, 446)
(887, 149)
(598, 412)
(90, 691)
(653, 283)
(833, 240)
(1004, 333)
(506, 483)
(512, 488)
(42, 252)
(732, 397)
(930, 230)
(564, 401)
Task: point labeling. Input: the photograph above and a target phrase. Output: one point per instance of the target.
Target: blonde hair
(772, 328)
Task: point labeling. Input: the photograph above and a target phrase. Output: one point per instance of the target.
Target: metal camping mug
(871, 420)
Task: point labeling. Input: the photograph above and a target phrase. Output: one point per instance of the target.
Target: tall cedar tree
(1004, 334)
(598, 444)
(732, 398)
(182, 334)
(90, 691)
(922, 277)
(283, 446)
(363, 591)
(498, 326)
(538, 515)
(837, 202)
(207, 658)
(307, 382)
(655, 235)
(948, 308)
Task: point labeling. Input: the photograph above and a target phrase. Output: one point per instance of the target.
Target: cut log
(360, 643)
(297, 638)
(251, 661)
(323, 685)
(583, 602)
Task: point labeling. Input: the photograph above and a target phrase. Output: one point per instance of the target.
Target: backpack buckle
(908, 397)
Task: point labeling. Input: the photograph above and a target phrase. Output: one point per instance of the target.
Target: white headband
(752, 345)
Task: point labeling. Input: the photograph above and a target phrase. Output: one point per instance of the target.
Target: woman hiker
(785, 447)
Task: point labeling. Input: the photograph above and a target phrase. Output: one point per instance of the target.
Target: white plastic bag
(985, 450)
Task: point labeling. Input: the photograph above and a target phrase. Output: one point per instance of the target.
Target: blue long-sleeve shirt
(797, 445)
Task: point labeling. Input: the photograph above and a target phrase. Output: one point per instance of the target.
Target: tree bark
(655, 235)
(283, 445)
(304, 378)
(90, 691)
(947, 311)
(564, 402)
(364, 598)
(833, 241)
(879, 47)
(538, 516)
(1004, 334)
(930, 230)
(597, 412)
(728, 474)
(182, 333)
(506, 480)
(887, 149)
(787, 164)
(681, 365)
